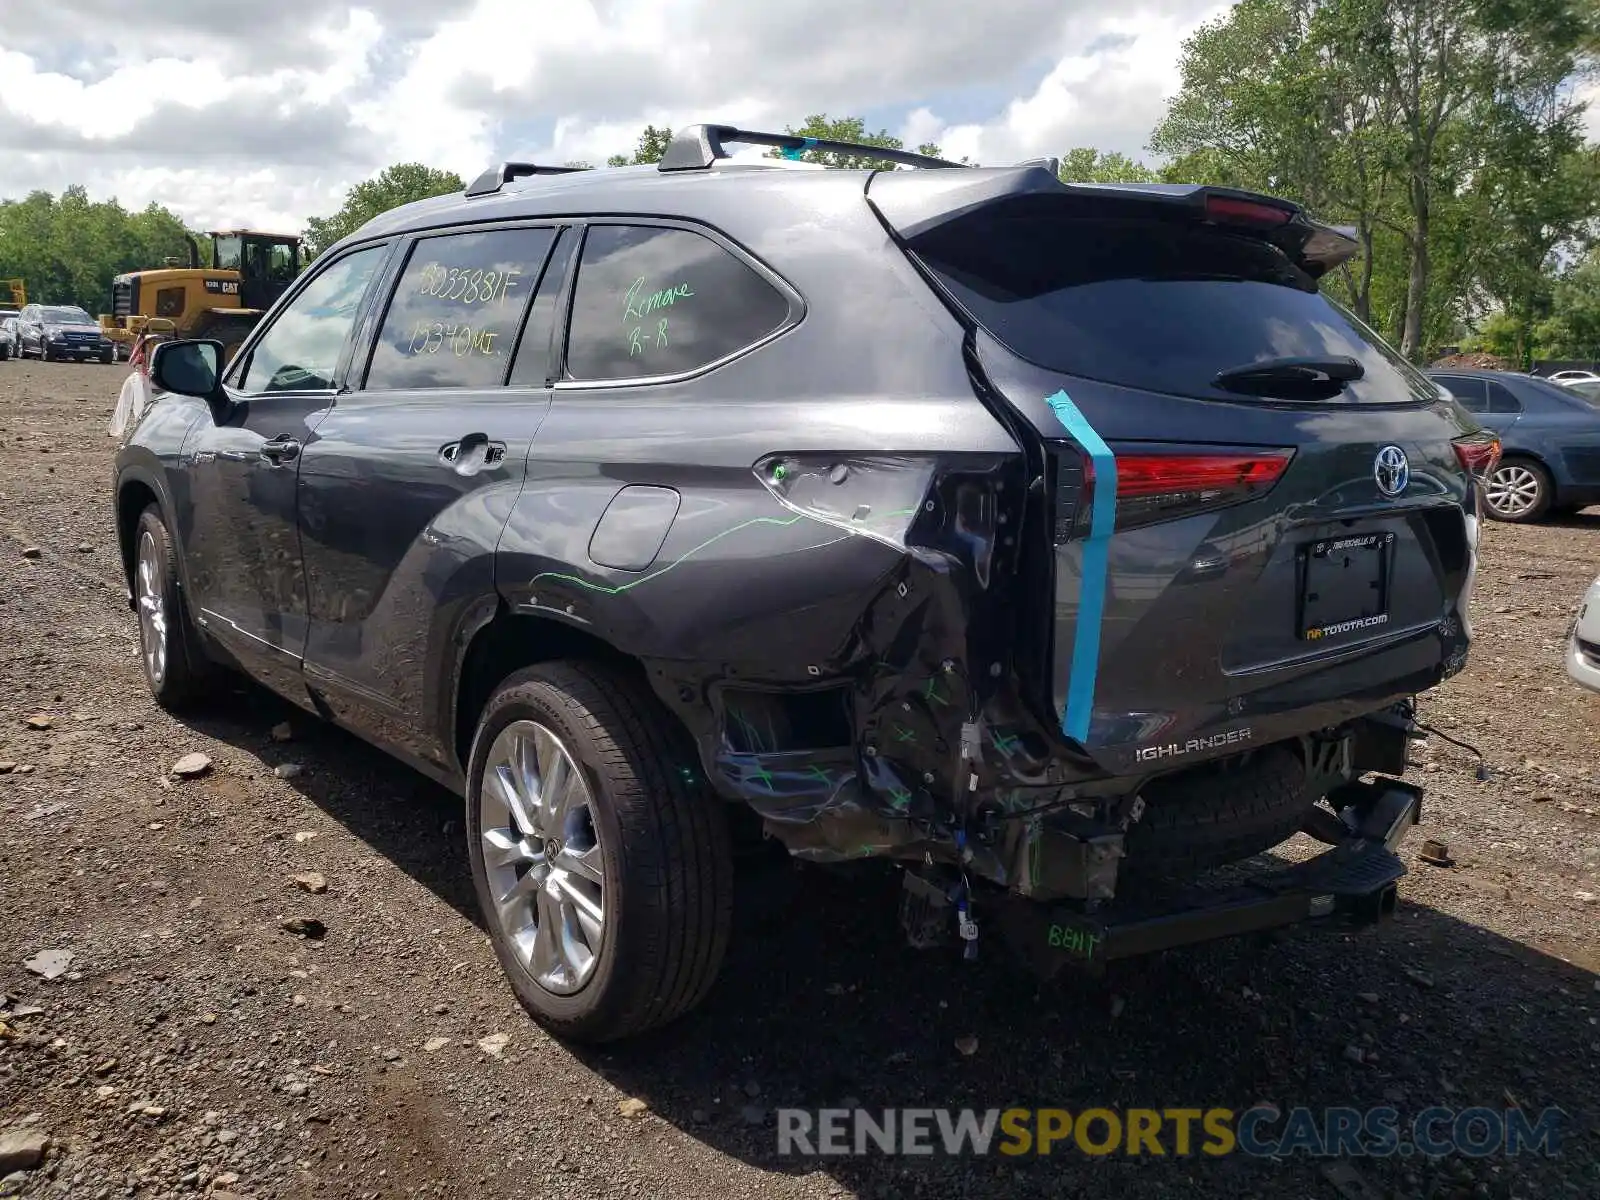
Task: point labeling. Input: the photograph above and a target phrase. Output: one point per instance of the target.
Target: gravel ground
(192, 1045)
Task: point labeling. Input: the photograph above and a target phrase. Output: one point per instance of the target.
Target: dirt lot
(194, 1046)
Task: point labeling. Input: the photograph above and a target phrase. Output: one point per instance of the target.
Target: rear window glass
(1586, 391)
(1562, 394)
(1472, 394)
(1502, 401)
(1153, 304)
(657, 301)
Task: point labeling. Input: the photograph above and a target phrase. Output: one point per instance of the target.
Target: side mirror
(189, 368)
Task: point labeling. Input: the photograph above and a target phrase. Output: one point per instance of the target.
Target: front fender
(150, 460)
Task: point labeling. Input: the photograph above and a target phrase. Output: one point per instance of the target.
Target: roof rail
(696, 147)
(495, 178)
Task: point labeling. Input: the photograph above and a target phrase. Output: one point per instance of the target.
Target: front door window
(301, 351)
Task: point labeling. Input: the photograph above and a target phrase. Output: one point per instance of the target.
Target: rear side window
(1501, 400)
(651, 301)
(1471, 394)
(1151, 303)
(456, 311)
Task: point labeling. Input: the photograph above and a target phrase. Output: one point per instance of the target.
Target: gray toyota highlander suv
(1061, 544)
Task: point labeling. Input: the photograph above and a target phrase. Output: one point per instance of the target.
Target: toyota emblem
(1391, 470)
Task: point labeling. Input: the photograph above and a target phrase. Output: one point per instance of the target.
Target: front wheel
(1518, 491)
(605, 879)
(174, 666)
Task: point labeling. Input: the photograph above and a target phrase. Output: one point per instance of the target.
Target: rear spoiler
(915, 203)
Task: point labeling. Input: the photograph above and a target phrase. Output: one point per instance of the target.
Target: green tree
(1572, 329)
(1084, 164)
(1420, 122)
(68, 248)
(849, 129)
(652, 147)
(390, 188)
(1444, 62)
(653, 143)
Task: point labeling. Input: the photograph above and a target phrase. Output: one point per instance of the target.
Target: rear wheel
(604, 878)
(1518, 491)
(174, 666)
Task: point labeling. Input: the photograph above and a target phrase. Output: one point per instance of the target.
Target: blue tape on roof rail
(810, 143)
(1096, 553)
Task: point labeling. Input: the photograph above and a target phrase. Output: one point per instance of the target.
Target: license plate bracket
(1343, 586)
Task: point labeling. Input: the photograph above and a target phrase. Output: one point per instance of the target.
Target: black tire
(1211, 816)
(178, 673)
(108, 356)
(1528, 482)
(667, 873)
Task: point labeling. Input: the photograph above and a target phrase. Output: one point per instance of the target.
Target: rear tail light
(1231, 210)
(1164, 487)
(1160, 487)
(1478, 453)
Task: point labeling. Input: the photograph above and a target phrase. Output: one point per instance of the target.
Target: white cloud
(268, 116)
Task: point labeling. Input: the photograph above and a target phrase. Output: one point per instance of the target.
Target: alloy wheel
(542, 856)
(1513, 490)
(152, 609)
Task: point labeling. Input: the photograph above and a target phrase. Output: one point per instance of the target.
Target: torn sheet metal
(914, 739)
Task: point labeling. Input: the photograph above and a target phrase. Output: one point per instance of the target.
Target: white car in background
(1583, 646)
(1568, 378)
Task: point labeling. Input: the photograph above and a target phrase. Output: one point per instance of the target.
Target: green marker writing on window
(637, 305)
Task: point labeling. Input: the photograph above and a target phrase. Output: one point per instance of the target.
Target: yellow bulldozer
(248, 271)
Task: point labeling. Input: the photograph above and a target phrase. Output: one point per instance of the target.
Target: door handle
(472, 454)
(280, 449)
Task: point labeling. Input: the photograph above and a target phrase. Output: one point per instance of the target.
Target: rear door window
(456, 311)
(1155, 303)
(1471, 394)
(1501, 400)
(651, 301)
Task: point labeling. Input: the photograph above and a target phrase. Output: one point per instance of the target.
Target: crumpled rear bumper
(1356, 879)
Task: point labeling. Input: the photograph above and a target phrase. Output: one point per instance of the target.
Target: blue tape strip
(1096, 557)
(810, 144)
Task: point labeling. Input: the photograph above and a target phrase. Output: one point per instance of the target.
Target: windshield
(1161, 305)
(66, 315)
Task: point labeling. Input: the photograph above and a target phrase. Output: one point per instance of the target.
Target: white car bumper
(1583, 644)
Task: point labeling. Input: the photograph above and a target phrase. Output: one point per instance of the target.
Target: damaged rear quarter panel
(905, 610)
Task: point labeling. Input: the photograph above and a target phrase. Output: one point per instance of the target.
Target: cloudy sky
(265, 111)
